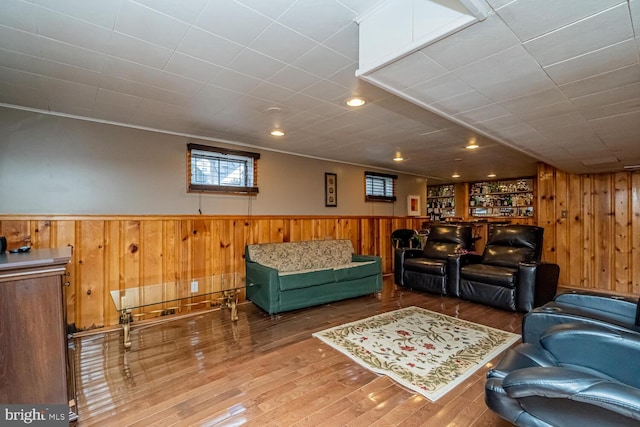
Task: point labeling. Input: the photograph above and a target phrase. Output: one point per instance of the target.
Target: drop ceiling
(534, 80)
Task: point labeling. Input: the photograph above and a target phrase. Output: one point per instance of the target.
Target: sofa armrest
(399, 256)
(537, 284)
(454, 263)
(262, 286)
(563, 383)
(365, 258)
(595, 302)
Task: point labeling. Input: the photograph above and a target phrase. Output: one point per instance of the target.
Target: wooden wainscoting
(592, 228)
(118, 252)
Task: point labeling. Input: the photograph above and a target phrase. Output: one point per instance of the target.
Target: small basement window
(220, 170)
(380, 187)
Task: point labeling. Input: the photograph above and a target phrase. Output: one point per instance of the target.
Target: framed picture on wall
(413, 205)
(330, 189)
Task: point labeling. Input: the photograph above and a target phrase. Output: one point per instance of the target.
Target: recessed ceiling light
(277, 132)
(491, 175)
(355, 102)
(398, 157)
(472, 146)
(455, 175)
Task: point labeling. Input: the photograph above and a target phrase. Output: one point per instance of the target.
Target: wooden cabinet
(33, 352)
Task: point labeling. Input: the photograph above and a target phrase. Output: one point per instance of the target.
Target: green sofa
(291, 275)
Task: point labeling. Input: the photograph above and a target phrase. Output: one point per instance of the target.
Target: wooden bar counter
(33, 345)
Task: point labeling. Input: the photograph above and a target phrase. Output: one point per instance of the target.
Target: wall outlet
(194, 286)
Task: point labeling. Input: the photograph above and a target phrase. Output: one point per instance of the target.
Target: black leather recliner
(579, 375)
(582, 307)
(436, 267)
(509, 273)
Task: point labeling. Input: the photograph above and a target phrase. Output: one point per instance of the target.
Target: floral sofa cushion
(300, 256)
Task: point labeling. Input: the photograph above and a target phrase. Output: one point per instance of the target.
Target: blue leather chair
(582, 307)
(579, 375)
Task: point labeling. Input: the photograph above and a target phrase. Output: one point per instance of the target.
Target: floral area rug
(425, 351)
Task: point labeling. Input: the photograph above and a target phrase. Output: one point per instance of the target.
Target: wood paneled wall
(115, 252)
(592, 228)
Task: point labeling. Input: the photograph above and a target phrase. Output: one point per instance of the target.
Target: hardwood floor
(268, 371)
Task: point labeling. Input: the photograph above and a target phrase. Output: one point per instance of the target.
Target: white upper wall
(57, 165)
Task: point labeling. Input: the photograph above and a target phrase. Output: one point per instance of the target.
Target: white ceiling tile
(20, 41)
(593, 63)
(176, 83)
(361, 6)
(139, 51)
(327, 91)
(346, 78)
(601, 111)
(612, 96)
(496, 4)
(461, 103)
(209, 47)
(65, 92)
(72, 55)
(235, 81)
(101, 13)
(66, 29)
(71, 73)
(507, 74)
(273, 8)
(524, 104)
(232, 21)
(158, 28)
(192, 68)
(271, 92)
(17, 95)
(128, 70)
(107, 100)
(551, 125)
(293, 78)
(409, 71)
(184, 10)
(345, 41)
(125, 86)
(582, 37)
(546, 111)
(439, 88)
(499, 123)
(212, 99)
(482, 114)
(20, 61)
(318, 20)
(269, 43)
(322, 61)
(634, 8)
(616, 78)
(256, 64)
(478, 41)
(18, 14)
(13, 77)
(532, 18)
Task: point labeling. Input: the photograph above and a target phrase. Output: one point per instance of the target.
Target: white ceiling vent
(398, 27)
